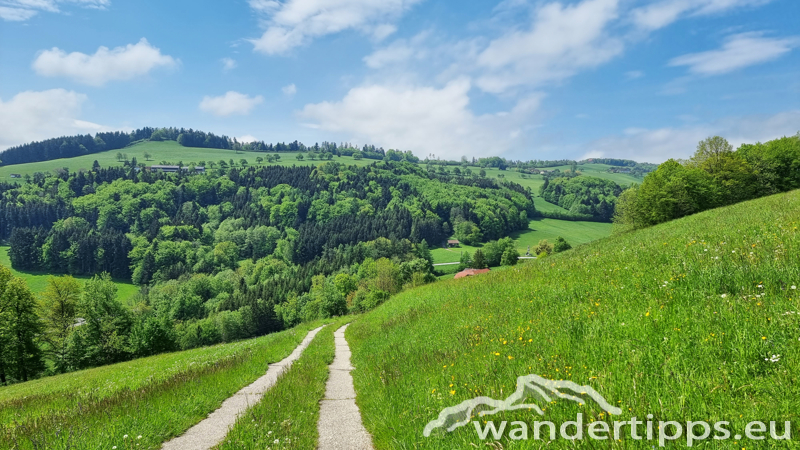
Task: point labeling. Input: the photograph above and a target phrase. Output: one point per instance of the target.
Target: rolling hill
(694, 319)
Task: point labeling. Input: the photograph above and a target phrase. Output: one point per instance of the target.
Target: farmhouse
(453, 243)
(172, 169)
(16, 175)
(470, 272)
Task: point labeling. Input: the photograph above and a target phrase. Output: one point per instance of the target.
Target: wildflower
(763, 338)
(125, 437)
(452, 392)
(139, 437)
(773, 359)
(724, 295)
(276, 441)
(794, 287)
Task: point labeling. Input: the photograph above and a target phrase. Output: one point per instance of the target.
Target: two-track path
(340, 426)
(213, 429)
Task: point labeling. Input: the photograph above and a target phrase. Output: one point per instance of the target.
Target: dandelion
(125, 437)
(276, 441)
(452, 392)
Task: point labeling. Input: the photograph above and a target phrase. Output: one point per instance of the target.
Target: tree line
(714, 176)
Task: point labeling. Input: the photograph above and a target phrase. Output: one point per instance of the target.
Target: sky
(521, 79)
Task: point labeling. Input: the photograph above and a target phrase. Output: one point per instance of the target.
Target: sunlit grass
(156, 398)
(680, 321)
(287, 416)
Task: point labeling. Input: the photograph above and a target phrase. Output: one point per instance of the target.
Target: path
(213, 429)
(340, 426)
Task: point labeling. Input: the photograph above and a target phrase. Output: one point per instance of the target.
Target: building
(470, 272)
(16, 175)
(172, 169)
(453, 243)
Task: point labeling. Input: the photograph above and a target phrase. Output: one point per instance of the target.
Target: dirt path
(340, 426)
(213, 429)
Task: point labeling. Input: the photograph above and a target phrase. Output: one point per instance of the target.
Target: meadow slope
(696, 319)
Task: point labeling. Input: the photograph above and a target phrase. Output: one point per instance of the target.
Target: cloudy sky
(524, 79)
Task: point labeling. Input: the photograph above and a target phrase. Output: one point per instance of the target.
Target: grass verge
(156, 398)
(287, 416)
(697, 319)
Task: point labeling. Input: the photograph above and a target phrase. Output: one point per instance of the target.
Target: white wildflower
(794, 287)
(724, 295)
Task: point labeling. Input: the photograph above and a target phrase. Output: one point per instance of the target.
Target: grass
(679, 320)
(289, 412)
(168, 151)
(37, 281)
(575, 233)
(156, 398)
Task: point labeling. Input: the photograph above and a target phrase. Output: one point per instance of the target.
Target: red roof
(470, 272)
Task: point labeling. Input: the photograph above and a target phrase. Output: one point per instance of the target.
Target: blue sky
(644, 80)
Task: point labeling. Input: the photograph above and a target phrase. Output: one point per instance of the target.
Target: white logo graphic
(527, 386)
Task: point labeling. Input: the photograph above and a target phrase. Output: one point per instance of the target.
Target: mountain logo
(528, 386)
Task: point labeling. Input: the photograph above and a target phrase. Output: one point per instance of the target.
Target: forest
(714, 176)
(233, 253)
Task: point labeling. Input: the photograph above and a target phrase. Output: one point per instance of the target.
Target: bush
(561, 245)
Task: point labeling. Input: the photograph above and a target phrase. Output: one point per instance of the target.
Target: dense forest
(715, 176)
(588, 197)
(233, 253)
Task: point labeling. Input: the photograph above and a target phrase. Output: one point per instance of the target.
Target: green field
(601, 171)
(37, 281)
(695, 319)
(575, 233)
(156, 398)
(169, 151)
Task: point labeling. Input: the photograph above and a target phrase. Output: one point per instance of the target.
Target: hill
(695, 319)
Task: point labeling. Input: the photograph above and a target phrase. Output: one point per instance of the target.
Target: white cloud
(422, 119)
(16, 14)
(121, 63)
(289, 90)
(658, 145)
(228, 64)
(230, 103)
(662, 13)
(22, 10)
(738, 51)
(247, 138)
(32, 115)
(634, 74)
(292, 23)
(562, 40)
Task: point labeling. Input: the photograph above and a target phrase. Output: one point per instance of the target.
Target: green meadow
(575, 233)
(37, 281)
(169, 151)
(697, 319)
(140, 403)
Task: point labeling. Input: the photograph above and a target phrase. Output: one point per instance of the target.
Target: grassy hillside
(696, 319)
(160, 151)
(575, 233)
(156, 398)
(37, 281)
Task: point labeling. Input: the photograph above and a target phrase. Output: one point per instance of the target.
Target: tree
(58, 306)
(95, 166)
(465, 261)
(299, 156)
(561, 245)
(482, 173)
(543, 247)
(147, 156)
(259, 159)
(119, 156)
(510, 257)
(478, 261)
(108, 323)
(710, 152)
(19, 327)
(468, 233)
(243, 162)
